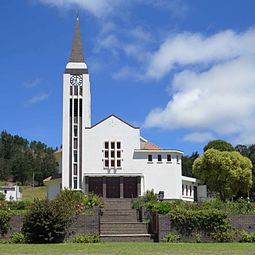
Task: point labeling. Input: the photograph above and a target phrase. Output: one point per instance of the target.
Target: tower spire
(77, 53)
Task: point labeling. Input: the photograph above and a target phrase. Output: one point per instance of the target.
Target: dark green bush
(2, 196)
(47, 222)
(18, 237)
(4, 222)
(85, 239)
(172, 238)
(241, 206)
(212, 222)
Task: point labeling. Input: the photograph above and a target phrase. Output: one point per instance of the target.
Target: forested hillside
(21, 159)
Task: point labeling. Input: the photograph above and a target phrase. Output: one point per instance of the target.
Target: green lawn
(29, 193)
(132, 248)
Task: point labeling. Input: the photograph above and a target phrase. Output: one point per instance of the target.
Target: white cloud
(127, 72)
(32, 83)
(189, 49)
(220, 99)
(99, 8)
(38, 98)
(198, 137)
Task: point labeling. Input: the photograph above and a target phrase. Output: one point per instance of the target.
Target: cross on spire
(77, 53)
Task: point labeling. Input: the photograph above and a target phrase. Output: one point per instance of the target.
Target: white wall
(158, 176)
(109, 130)
(11, 193)
(186, 195)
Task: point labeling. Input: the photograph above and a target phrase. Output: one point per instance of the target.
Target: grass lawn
(132, 248)
(28, 193)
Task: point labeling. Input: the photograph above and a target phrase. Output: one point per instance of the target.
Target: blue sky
(182, 70)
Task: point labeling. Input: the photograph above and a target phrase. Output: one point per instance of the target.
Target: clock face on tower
(76, 80)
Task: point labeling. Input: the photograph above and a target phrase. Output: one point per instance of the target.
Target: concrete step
(126, 238)
(124, 228)
(119, 213)
(120, 220)
(117, 204)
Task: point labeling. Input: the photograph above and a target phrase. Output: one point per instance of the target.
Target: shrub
(138, 202)
(247, 237)
(197, 238)
(85, 239)
(96, 201)
(71, 196)
(76, 200)
(47, 222)
(223, 236)
(18, 237)
(19, 205)
(150, 196)
(4, 222)
(188, 221)
(2, 196)
(172, 238)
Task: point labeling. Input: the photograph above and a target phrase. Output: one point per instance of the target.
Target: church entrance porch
(114, 187)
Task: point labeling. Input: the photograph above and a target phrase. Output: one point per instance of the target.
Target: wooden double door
(114, 187)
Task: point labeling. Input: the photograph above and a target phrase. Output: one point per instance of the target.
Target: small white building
(110, 158)
(12, 193)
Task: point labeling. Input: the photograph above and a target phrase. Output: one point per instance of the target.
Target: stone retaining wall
(83, 224)
(238, 221)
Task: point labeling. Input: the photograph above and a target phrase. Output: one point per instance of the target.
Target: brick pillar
(104, 187)
(139, 186)
(86, 185)
(121, 187)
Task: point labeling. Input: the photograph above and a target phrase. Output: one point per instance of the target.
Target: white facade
(12, 193)
(110, 158)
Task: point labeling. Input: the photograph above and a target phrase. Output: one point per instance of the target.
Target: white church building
(110, 158)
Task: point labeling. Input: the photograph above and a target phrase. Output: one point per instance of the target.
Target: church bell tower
(76, 113)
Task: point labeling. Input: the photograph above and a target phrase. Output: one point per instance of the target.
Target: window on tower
(75, 143)
(80, 112)
(75, 130)
(75, 158)
(76, 90)
(75, 182)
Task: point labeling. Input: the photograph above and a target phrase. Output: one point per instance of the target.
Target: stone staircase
(118, 223)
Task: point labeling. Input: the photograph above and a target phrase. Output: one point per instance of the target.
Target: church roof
(77, 53)
(112, 115)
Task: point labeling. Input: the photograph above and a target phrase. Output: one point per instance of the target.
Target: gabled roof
(112, 115)
(77, 53)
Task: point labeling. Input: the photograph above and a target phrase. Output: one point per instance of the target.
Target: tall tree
(187, 162)
(19, 159)
(249, 151)
(219, 145)
(226, 173)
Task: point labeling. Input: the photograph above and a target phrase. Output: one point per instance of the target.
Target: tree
(219, 145)
(248, 151)
(19, 159)
(226, 173)
(187, 162)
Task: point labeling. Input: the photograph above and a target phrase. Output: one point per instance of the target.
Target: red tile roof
(150, 146)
